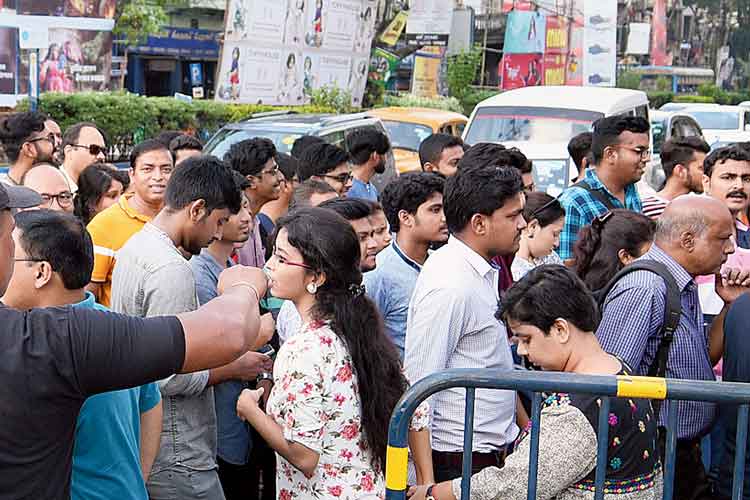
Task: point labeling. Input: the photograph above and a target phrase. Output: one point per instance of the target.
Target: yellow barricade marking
(641, 387)
(396, 460)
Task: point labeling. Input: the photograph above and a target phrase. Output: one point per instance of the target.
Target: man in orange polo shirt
(151, 166)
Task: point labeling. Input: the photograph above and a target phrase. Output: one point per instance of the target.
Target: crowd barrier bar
(621, 386)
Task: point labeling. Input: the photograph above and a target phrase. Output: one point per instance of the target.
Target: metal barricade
(670, 390)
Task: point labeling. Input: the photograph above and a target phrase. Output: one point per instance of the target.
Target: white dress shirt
(451, 324)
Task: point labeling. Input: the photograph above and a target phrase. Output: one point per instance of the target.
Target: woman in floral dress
(337, 381)
(553, 317)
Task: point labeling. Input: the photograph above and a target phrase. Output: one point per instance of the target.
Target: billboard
(8, 65)
(74, 61)
(599, 43)
(525, 33)
(280, 52)
(68, 8)
(521, 70)
(429, 22)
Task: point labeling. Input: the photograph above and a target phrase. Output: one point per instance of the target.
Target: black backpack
(672, 309)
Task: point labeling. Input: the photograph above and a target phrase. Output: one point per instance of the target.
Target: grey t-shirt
(152, 278)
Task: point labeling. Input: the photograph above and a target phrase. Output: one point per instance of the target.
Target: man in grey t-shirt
(151, 278)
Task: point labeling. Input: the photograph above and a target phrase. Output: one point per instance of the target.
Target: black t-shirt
(51, 360)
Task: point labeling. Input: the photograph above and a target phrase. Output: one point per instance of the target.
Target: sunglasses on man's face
(94, 149)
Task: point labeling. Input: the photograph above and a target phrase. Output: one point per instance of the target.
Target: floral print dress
(315, 400)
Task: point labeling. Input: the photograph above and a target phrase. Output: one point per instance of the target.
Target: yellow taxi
(408, 127)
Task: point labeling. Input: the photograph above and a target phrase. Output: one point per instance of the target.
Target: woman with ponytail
(612, 241)
(337, 381)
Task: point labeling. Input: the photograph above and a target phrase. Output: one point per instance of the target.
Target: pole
(484, 41)
(34, 79)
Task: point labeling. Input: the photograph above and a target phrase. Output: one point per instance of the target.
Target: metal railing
(537, 382)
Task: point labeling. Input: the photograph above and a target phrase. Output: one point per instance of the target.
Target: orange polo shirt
(110, 230)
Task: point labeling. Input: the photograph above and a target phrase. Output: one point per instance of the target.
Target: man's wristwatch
(428, 493)
(264, 376)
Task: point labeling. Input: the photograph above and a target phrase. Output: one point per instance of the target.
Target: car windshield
(223, 140)
(407, 135)
(551, 176)
(522, 123)
(658, 130)
(716, 120)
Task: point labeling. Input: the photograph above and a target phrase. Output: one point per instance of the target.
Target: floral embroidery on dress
(315, 400)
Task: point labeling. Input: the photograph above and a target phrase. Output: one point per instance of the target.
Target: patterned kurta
(315, 399)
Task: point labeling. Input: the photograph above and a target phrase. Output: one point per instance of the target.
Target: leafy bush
(470, 100)
(409, 100)
(694, 99)
(333, 97)
(658, 98)
(128, 118)
(629, 80)
(462, 71)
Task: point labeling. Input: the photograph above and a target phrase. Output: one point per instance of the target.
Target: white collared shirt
(451, 324)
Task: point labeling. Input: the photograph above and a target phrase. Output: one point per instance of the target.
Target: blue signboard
(196, 74)
(182, 42)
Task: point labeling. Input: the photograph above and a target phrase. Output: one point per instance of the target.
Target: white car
(541, 120)
(722, 123)
(666, 125)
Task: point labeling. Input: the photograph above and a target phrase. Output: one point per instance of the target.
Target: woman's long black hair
(329, 245)
(596, 251)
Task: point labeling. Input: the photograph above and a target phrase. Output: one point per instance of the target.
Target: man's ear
(197, 210)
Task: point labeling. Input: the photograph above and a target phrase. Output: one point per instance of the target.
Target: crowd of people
(243, 327)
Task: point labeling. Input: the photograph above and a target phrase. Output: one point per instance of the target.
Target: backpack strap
(600, 197)
(672, 311)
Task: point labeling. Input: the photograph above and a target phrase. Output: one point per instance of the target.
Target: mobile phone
(268, 350)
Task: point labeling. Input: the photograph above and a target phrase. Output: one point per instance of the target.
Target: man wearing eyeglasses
(620, 148)
(255, 159)
(82, 145)
(27, 141)
(326, 163)
(50, 183)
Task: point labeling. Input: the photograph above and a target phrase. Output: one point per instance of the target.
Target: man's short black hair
(185, 141)
(60, 239)
(167, 136)
(302, 143)
(478, 189)
(362, 142)
(488, 153)
(607, 132)
(680, 151)
(248, 157)
(432, 147)
(320, 159)
(203, 178)
(578, 147)
(17, 128)
(288, 165)
(147, 146)
(547, 293)
(408, 192)
(349, 208)
(720, 155)
(305, 191)
(240, 180)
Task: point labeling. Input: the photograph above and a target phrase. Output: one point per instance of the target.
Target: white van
(541, 120)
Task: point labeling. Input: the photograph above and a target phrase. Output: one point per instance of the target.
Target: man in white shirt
(451, 321)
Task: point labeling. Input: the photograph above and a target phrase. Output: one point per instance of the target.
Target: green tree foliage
(462, 71)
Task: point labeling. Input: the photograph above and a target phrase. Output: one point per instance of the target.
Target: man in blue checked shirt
(693, 238)
(620, 146)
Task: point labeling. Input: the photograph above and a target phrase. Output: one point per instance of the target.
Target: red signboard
(521, 70)
(557, 35)
(554, 69)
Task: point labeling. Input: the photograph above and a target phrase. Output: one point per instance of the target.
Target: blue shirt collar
(88, 303)
(414, 264)
(681, 276)
(593, 180)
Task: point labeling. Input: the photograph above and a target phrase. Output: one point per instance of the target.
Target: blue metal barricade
(538, 382)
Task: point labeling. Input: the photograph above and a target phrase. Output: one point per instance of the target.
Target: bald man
(50, 183)
(693, 238)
